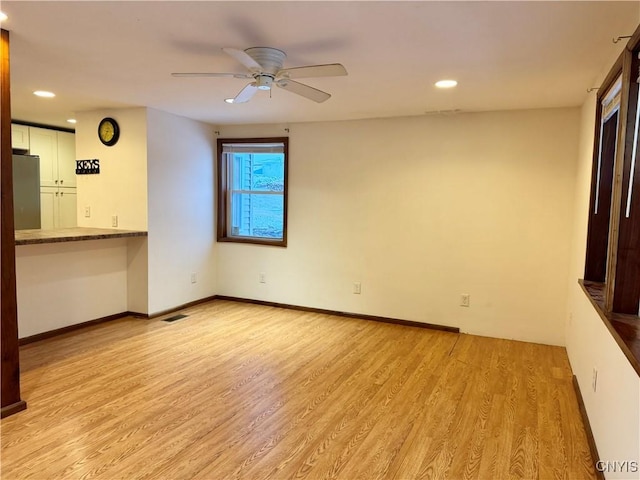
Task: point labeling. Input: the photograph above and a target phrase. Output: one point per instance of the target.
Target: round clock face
(108, 131)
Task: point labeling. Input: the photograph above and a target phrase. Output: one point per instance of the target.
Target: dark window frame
(223, 228)
(617, 298)
(597, 261)
(625, 294)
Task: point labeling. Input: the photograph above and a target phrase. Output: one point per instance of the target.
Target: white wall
(181, 155)
(614, 408)
(121, 187)
(159, 178)
(138, 275)
(421, 210)
(61, 284)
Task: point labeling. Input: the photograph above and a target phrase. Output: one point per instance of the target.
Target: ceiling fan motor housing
(270, 59)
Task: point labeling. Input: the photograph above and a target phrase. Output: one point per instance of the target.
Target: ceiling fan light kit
(263, 82)
(265, 68)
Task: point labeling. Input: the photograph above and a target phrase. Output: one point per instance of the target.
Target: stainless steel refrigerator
(26, 191)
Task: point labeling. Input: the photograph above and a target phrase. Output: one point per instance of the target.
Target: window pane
(263, 172)
(268, 172)
(241, 174)
(257, 215)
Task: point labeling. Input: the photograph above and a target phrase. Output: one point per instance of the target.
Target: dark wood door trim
(10, 394)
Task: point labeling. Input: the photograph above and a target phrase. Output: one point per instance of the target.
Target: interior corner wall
(121, 186)
(421, 210)
(182, 241)
(614, 407)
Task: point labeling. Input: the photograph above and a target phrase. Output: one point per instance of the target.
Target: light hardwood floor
(252, 392)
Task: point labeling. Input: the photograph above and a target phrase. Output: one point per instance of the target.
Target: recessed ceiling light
(228, 100)
(43, 93)
(3, 16)
(72, 120)
(446, 83)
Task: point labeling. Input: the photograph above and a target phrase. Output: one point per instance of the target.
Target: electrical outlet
(194, 278)
(114, 220)
(465, 300)
(357, 288)
(87, 211)
(594, 379)
(262, 278)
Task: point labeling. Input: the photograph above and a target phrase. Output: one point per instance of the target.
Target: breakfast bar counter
(71, 276)
(36, 236)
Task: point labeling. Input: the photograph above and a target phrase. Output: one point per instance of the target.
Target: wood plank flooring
(239, 391)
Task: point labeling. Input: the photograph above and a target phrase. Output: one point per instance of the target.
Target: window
(612, 266)
(625, 285)
(602, 182)
(252, 190)
(613, 256)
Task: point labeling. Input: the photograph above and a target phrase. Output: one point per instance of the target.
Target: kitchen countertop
(75, 234)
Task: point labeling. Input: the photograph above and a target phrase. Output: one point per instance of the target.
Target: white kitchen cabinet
(68, 208)
(67, 159)
(44, 143)
(58, 207)
(48, 207)
(19, 136)
(57, 152)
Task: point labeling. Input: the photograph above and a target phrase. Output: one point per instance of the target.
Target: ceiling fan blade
(246, 93)
(329, 70)
(209, 74)
(303, 90)
(244, 58)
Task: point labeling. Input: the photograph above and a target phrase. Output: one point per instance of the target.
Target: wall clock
(108, 131)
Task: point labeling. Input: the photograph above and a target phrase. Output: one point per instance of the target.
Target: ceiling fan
(265, 69)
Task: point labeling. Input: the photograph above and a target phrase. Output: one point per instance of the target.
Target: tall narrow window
(626, 294)
(602, 186)
(252, 190)
(612, 271)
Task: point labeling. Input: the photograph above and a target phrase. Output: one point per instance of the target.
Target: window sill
(624, 328)
(254, 241)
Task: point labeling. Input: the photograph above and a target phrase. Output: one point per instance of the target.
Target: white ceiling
(505, 55)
